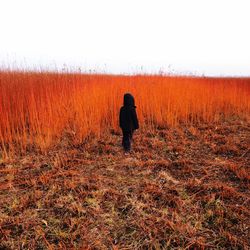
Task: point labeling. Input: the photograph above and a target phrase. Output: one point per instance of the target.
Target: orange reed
(37, 109)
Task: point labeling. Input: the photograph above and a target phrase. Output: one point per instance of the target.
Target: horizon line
(106, 73)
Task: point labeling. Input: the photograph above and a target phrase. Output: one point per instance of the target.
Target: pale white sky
(208, 37)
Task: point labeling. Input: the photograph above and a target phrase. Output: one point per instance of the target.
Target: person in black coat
(128, 120)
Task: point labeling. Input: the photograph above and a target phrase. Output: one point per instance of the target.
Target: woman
(128, 120)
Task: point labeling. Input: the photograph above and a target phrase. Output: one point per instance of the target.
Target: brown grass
(185, 185)
(178, 193)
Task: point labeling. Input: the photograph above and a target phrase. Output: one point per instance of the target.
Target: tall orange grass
(37, 109)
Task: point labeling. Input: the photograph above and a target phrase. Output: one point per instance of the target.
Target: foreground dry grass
(182, 188)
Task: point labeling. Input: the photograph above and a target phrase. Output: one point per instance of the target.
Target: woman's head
(128, 100)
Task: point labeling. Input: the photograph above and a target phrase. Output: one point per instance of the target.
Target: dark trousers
(126, 140)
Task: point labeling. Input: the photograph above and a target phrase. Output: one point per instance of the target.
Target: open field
(38, 109)
(65, 182)
(180, 188)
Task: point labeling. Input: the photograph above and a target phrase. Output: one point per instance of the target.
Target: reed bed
(38, 109)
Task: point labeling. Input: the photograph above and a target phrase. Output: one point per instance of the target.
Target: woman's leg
(126, 140)
(131, 135)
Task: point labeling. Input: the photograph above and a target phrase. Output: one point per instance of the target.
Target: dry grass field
(65, 182)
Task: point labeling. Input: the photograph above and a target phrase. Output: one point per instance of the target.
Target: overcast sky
(208, 37)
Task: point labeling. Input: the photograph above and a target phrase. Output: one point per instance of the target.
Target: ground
(180, 188)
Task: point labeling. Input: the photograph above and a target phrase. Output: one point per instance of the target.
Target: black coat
(128, 117)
